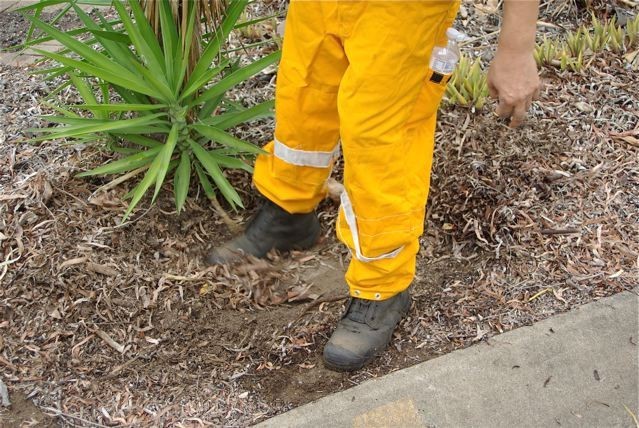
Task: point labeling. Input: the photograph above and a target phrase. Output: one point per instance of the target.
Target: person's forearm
(519, 26)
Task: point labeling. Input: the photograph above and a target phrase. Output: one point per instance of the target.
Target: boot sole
(338, 368)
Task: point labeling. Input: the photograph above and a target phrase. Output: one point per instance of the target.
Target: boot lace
(357, 309)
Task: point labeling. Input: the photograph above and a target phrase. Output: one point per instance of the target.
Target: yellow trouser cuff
(373, 294)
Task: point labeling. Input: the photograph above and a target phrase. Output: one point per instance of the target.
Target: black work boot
(272, 227)
(364, 331)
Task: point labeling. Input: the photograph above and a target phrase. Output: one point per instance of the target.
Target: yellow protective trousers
(357, 73)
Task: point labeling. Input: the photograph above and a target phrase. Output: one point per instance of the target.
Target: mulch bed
(104, 323)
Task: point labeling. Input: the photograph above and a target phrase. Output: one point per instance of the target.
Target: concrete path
(576, 369)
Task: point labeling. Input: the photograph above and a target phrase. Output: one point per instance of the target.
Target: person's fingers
(504, 110)
(519, 115)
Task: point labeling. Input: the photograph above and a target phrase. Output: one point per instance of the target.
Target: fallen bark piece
(102, 269)
(109, 341)
(72, 262)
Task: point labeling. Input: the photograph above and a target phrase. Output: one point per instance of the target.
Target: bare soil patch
(24, 413)
(114, 324)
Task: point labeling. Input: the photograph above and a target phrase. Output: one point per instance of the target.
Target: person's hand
(513, 81)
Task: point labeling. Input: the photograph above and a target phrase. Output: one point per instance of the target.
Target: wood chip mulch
(109, 324)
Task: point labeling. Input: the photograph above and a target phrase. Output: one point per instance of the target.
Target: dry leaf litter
(109, 324)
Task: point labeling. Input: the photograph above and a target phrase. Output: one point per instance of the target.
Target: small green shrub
(171, 118)
(468, 85)
(546, 52)
(616, 37)
(632, 31)
(598, 39)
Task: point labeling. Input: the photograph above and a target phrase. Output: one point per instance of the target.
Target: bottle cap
(455, 35)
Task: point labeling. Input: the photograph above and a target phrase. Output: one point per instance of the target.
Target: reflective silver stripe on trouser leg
(351, 220)
(296, 157)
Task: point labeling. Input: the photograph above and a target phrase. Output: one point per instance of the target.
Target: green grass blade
(40, 5)
(90, 121)
(244, 24)
(127, 164)
(233, 12)
(237, 77)
(195, 85)
(229, 120)
(125, 57)
(120, 53)
(141, 140)
(255, 21)
(44, 39)
(204, 181)
(170, 39)
(230, 162)
(209, 107)
(106, 74)
(141, 34)
(72, 120)
(213, 169)
(48, 70)
(104, 90)
(122, 150)
(159, 83)
(67, 113)
(86, 92)
(131, 97)
(119, 107)
(115, 48)
(112, 36)
(47, 3)
(166, 154)
(233, 106)
(225, 139)
(37, 9)
(142, 130)
(60, 14)
(249, 46)
(101, 64)
(56, 91)
(149, 178)
(146, 31)
(61, 72)
(181, 181)
(184, 47)
(94, 126)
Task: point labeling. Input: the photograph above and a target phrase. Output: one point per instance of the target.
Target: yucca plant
(153, 83)
(576, 43)
(600, 36)
(617, 36)
(632, 31)
(569, 62)
(546, 52)
(468, 86)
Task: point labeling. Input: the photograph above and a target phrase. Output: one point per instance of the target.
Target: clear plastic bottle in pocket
(444, 59)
